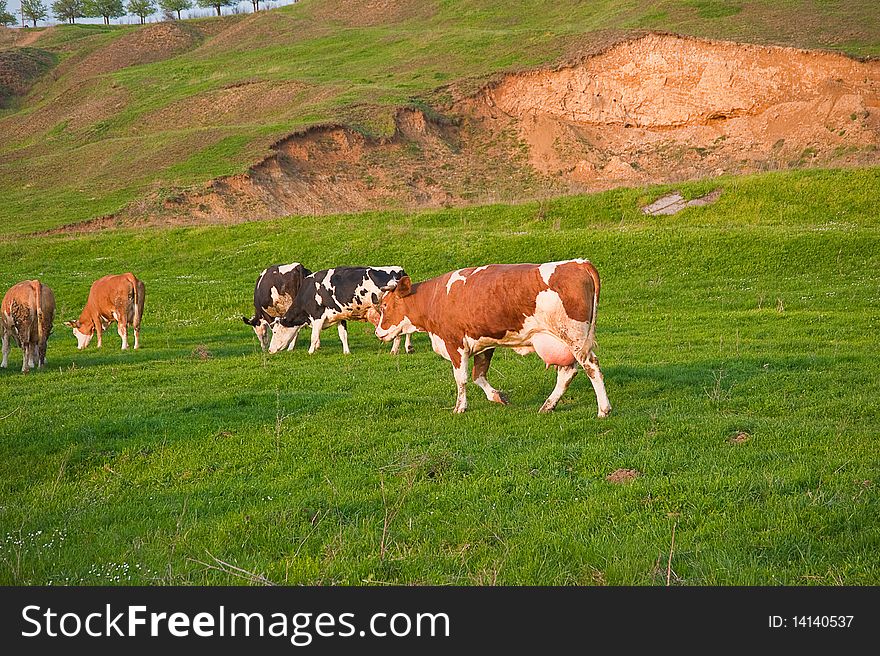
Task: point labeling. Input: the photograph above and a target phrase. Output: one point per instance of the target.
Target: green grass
(756, 314)
(350, 62)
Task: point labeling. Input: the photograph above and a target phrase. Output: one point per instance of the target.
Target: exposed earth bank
(655, 108)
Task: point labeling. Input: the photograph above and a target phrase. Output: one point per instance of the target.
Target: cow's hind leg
(122, 329)
(26, 357)
(590, 363)
(5, 362)
(342, 329)
(460, 372)
(481, 367)
(564, 376)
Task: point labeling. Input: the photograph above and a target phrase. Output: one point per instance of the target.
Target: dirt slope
(658, 108)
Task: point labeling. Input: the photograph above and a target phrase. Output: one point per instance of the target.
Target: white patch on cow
(287, 268)
(439, 346)
(478, 269)
(453, 278)
(260, 279)
(274, 294)
(549, 268)
(318, 299)
(547, 271)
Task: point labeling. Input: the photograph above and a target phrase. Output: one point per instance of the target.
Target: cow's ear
(404, 287)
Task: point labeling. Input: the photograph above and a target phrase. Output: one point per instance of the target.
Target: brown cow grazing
(28, 310)
(111, 298)
(548, 309)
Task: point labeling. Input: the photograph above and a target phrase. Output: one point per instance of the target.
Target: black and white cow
(335, 296)
(274, 292)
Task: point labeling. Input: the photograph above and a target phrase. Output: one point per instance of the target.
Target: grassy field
(92, 137)
(756, 316)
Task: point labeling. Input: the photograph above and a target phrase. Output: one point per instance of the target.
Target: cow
(335, 296)
(26, 314)
(118, 298)
(548, 309)
(274, 292)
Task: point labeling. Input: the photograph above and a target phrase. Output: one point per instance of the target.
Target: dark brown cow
(28, 310)
(111, 298)
(548, 309)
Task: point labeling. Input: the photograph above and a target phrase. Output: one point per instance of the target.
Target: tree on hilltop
(34, 10)
(216, 4)
(5, 17)
(68, 10)
(141, 9)
(105, 9)
(175, 5)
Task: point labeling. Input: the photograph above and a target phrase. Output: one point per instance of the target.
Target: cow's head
(393, 319)
(286, 328)
(82, 333)
(261, 328)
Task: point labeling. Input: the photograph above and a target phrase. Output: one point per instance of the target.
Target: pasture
(738, 342)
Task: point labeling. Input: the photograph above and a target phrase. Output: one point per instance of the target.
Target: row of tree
(69, 10)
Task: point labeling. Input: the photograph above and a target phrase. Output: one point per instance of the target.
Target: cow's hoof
(604, 413)
(394, 351)
(410, 350)
(546, 408)
(500, 397)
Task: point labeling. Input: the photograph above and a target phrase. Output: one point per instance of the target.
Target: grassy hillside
(738, 343)
(135, 110)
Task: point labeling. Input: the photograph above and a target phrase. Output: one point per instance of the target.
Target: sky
(14, 6)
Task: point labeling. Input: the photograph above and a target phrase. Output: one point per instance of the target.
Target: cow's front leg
(395, 346)
(481, 368)
(460, 371)
(407, 346)
(295, 335)
(342, 329)
(99, 330)
(317, 326)
(5, 362)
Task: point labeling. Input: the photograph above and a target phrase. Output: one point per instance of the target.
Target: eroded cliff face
(658, 108)
(663, 108)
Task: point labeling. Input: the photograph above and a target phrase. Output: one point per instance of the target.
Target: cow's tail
(38, 305)
(136, 321)
(591, 335)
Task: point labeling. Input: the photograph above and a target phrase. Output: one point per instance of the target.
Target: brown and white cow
(549, 309)
(26, 313)
(118, 298)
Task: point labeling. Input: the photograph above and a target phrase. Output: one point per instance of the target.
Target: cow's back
(492, 300)
(112, 291)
